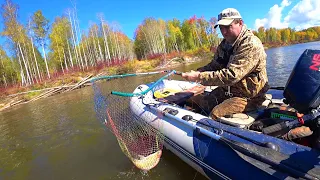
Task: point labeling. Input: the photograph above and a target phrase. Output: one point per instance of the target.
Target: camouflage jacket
(240, 66)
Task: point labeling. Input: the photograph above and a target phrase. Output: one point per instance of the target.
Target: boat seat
(244, 120)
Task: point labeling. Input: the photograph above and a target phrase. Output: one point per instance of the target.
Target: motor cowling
(302, 90)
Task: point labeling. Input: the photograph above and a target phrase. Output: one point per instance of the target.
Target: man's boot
(298, 132)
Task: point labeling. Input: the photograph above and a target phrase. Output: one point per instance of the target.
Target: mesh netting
(140, 141)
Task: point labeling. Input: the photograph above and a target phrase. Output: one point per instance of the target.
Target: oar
(275, 159)
(126, 75)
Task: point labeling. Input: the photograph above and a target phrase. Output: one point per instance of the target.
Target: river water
(60, 138)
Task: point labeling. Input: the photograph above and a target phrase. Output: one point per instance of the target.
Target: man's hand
(192, 75)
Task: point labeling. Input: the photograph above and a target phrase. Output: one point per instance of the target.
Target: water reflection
(278, 57)
(280, 61)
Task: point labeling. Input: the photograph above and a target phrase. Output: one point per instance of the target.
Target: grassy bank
(17, 93)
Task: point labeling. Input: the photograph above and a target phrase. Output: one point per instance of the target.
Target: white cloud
(285, 3)
(304, 14)
(273, 18)
(261, 22)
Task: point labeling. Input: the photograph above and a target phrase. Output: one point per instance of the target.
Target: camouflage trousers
(218, 104)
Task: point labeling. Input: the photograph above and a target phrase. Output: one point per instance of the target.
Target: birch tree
(16, 34)
(33, 51)
(175, 37)
(73, 38)
(40, 26)
(105, 28)
(60, 38)
(151, 34)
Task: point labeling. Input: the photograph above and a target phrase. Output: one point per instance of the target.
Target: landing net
(120, 110)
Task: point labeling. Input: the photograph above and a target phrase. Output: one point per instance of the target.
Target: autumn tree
(60, 40)
(262, 34)
(186, 30)
(40, 26)
(19, 41)
(151, 36)
(214, 40)
(175, 36)
(285, 35)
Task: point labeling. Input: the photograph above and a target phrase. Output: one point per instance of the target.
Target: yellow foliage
(112, 70)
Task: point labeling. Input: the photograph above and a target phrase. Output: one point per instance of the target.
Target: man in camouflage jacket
(238, 68)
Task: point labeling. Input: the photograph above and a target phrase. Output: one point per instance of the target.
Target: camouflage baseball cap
(227, 16)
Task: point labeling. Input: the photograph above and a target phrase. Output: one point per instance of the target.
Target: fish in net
(140, 140)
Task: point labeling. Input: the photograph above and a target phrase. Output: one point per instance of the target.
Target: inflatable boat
(243, 145)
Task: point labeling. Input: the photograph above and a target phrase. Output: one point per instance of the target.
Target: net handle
(124, 94)
(125, 75)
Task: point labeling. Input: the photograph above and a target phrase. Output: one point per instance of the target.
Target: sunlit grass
(31, 95)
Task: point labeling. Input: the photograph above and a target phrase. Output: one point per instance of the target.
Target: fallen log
(56, 91)
(41, 95)
(48, 92)
(12, 103)
(86, 79)
(26, 92)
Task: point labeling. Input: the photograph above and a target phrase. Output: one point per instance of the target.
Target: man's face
(231, 32)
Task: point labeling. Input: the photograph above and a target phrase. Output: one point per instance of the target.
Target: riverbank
(14, 96)
(275, 45)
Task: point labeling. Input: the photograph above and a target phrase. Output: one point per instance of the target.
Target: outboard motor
(302, 90)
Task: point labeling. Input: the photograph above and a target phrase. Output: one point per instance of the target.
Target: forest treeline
(40, 50)
(273, 37)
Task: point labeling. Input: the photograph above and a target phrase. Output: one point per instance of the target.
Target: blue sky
(129, 14)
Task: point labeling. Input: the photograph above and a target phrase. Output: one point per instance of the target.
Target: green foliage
(40, 26)
(150, 37)
(191, 34)
(285, 33)
(7, 71)
(174, 35)
(31, 95)
(112, 70)
(12, 29)
(59, 37)
(262, 34)
(188, 35)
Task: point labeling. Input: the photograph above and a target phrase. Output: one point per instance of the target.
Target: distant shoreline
(268, 45)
